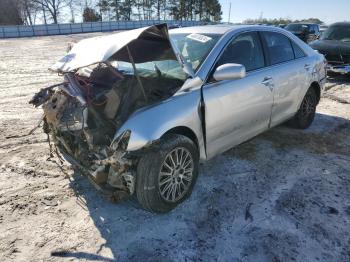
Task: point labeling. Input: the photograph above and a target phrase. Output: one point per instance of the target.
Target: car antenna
(136, 74)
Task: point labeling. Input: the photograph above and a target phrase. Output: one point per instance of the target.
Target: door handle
(307, 67)
(268, 82)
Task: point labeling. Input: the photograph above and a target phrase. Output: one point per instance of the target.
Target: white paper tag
(199, 38)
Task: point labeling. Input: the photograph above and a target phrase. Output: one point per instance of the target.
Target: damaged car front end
(101, 89)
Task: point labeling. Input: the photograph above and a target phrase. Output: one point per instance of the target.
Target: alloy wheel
(176, 174)
(308, 107)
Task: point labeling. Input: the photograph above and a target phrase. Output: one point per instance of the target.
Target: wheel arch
(316, 87)
(185, 131)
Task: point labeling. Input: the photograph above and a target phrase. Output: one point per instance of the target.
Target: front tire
(166, 173)
(306, 113)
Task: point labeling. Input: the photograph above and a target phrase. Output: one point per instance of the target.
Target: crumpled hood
(145, 44)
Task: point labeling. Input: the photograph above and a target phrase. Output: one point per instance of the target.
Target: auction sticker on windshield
(200, 38)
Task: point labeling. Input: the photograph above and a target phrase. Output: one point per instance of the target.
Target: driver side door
(237, 110)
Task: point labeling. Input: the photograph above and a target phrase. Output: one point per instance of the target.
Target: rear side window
(246, 50)
(298, 52)
(279, 47)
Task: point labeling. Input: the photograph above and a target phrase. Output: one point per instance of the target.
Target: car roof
(341, 24)
(214, 29)
(301, 23)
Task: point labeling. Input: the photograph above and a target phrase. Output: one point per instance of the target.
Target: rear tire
(166, 173)
(306, 113)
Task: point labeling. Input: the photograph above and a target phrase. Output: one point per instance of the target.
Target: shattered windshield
(339, 33)
(195, 47)
(165, 68)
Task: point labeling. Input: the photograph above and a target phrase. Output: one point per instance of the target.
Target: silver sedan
(138, 110)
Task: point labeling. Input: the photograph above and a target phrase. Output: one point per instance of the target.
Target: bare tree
(27, 12)
(72, 5)
(54, 10)
(30, 11)
(105, 9)
(53, 7)
(115, 5)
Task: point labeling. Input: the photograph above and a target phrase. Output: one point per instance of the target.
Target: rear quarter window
(298, 52)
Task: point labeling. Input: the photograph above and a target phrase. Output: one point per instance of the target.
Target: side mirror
(229, 72)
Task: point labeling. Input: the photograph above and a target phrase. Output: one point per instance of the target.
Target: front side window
(246, 50)
(279, 47)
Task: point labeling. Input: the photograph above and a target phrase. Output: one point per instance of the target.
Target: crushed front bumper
(106, 190)
(339, 69)
(112, 173)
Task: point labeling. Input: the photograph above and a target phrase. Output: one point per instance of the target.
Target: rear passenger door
(288, 69)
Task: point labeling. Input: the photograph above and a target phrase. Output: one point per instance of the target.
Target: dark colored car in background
(334, 44)
(305, 31)
(323, 28)
(282, 25)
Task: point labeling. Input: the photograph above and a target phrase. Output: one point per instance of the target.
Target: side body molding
(150, 123)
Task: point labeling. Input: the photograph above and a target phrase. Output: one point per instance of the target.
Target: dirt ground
(283, 196)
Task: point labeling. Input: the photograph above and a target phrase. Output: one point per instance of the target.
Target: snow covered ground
(283, 196)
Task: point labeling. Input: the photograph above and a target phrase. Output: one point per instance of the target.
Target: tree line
(281, 21)
(30, 12)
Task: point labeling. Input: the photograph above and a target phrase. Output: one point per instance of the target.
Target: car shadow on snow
(236, 193)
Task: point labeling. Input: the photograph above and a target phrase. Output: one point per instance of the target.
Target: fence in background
(63, 29)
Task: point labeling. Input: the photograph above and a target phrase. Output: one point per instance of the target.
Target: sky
(329, 11)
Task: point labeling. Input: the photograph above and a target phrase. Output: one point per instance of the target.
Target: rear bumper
(340, 69)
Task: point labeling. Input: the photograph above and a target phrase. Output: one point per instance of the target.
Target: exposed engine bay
(83, 113)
